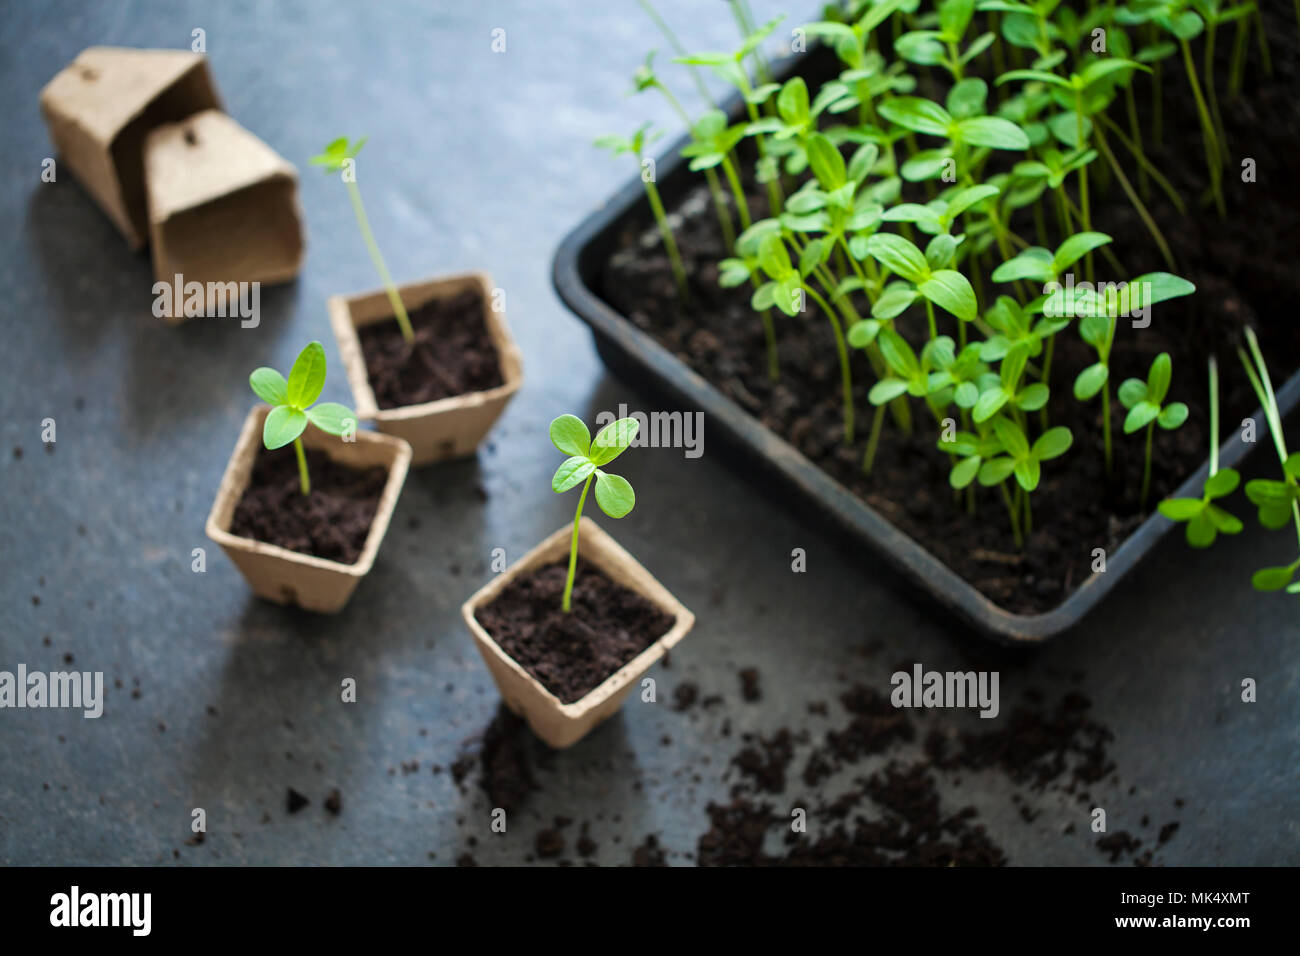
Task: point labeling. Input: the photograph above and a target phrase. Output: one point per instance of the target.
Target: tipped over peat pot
(356, 483)
(443, 394)
(527, 612)
(639, 359)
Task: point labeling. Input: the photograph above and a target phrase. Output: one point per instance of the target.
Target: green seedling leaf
(1090, 381)
(333, 418)
(614, 494)
(1273, 579)
(612, 440)
(1273, 499)
(894, 301)
(862, 334)
(1075, 248)
(572, 471)
(826, 162)
(917, 114)
(333, 156)
(570, 435)
(283, 424)
(898, 256)
(951, 291)
(993, 132)
(269, 385)
(307, 377)
(1206, 520)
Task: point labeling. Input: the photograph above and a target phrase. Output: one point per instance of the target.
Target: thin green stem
(1237, 69)
(304, 479)
(1210, 87)
(742, 207)
(1135, 129)
(573, 548)
(1136, 202)
(1083, 180)
(1013, 511)
(1145, 164)
(670, 244)
(1208, 135)
(1105, 421)
(399, 310)
(873, 440)
(1214, 416)
(846, 375)
(1146, 467)
(710, 174)
(678, 49)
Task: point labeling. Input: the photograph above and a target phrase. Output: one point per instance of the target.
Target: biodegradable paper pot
(223, 206)
(562, 725)
(99, 110)
(450, 427)
(288, 577)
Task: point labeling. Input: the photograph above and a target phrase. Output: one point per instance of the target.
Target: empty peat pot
(100, 109)
(557, 723)
(291, 577)
(223, 206)
(452, 424)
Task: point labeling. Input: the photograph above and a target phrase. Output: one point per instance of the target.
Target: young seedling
(644, 79)
(1146, 409)
(1275, 500)
(1101, 310)
(293, 405)
(340, 156)
(614, 493)
(635, 146)
(786, 289)
(1206, 520)
(1025, 462)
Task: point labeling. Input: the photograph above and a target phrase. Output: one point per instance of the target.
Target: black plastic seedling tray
(642, 362)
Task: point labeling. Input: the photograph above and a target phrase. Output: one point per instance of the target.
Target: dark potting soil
(452, 354)
(332, 522)
(572, 654)
(872, 796)
(1244, 274)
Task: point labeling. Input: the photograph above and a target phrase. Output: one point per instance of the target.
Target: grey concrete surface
(476, 160)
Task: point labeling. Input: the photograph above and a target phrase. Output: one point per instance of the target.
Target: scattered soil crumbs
(332, 522)
(334, 802)
(295, 801)
(573, 653)
(874, 785)
(649, 853)
(452, 354)
(750, 688)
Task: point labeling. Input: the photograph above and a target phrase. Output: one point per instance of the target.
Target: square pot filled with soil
(565, 673)
(310, 550)
(444, 391)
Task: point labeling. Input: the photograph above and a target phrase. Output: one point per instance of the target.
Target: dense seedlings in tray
(904, 221)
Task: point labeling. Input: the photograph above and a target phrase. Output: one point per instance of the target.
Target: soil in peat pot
(332, 522)
(572, 654)
(453, 353)
(1242, 267)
